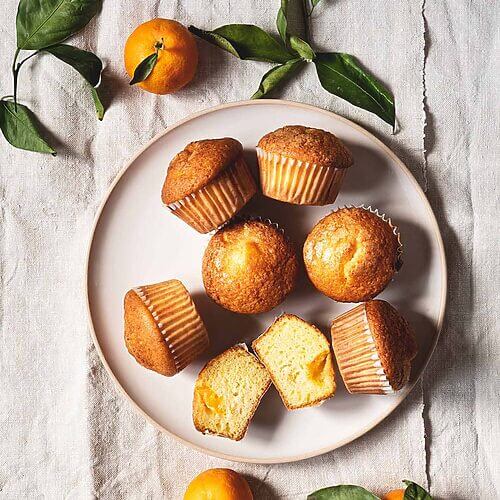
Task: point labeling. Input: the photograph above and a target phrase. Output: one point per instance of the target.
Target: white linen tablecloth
(66, 433)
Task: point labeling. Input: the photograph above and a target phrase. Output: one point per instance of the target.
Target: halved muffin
(249, 266)
(302, 165)
(374, 347)
(208, 182)
(227, 393)
(352, 254)
(163, 330)
(298, 357)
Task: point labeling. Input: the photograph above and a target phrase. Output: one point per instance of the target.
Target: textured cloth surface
(66, 433)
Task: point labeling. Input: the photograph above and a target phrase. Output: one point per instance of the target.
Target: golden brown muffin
(249, 267)
(163, 330)
(352, 254)
(196, 165)
(395, 342)
(208, 182)
(302, 165)
(374, 347)
(307, 144)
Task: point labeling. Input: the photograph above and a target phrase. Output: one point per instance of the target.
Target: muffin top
(249, 267)
(351, 255)
(143, 338)
(196, 165)
(395, 342)
(307, 144)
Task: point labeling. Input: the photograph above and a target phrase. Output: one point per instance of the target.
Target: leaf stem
(16, 68)
(14, 75)
(29, 57)
(306, 15)
(159, 45)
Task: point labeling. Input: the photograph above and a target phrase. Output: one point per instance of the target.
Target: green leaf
(282, 22)
(41, 23)
(277, 76)
(341, 75)
(342, 492)
(313, 4)
(215, 39)
(18, 127)
(99, 108)
(415, 492)
(245, 41)
(86, 63)
(144, 68)
(302, 48)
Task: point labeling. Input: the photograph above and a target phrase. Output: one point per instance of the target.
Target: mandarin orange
(218, 484)
(177, 55)
(394, 495)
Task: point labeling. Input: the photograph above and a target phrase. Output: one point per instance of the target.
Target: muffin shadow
(260, 489)
(416, 254)
(342, 403)
(291, 218)
(306, 293)
(251, 160)
(237, 328)
(370, 169)
(212, 63)
(269, 413)
(425, 335)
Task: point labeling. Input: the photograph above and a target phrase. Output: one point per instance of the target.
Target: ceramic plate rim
(397, 161)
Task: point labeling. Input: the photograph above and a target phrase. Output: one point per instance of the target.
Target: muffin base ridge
(296, 181)
(356, 353)
(176, 317)
(213, 205)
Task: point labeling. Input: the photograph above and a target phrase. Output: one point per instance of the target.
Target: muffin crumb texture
(227, 393)
(298, 358)
(351, 255)
(249, 267)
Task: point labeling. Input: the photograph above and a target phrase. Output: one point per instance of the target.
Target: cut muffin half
(299, 360)
(227, 393)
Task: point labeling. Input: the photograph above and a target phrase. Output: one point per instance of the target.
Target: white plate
(136, 241)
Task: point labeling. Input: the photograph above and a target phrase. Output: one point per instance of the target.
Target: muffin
(227, 393)
(302, 165)
(298, 358)
(374, 347)
(249, 267)
(352, 254)
(207, 183)
(163, 330)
